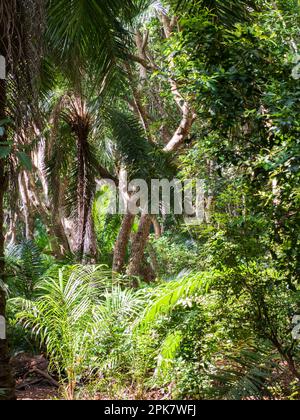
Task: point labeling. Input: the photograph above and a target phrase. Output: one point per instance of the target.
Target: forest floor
(34, 382)
(46, 393)
(42, 393)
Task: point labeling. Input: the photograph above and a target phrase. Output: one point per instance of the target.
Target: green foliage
(228, 12)
(207, 323)
(175, 255)
(88, 27)
(216, 334)
(106, 225)
(251, 375)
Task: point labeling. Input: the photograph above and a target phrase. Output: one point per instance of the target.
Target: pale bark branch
(188, 115)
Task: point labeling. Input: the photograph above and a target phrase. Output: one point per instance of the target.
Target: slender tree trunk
(11, 236)
(39, 158)
(84, 196)
(13, 204)
(60, 234)
(122, 243)
(157, 227)
(147, 271)
(6, 380)
(57, 217)
(153, 258)
(139, 245)
(50, 209)
(26, 208)
(90, 243)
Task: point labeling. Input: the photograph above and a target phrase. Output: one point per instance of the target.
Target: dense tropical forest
(106, 301)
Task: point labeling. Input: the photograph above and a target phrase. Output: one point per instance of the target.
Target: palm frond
(227, 12)
(168, 352)
(170, 294)
(25, 266)
(249, 375)
(143, 160)
(88, 34)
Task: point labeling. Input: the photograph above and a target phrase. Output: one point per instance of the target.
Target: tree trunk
(57, 216)
(6, 380)
(138, 246)
(122, 243)
(60, 234)
(84, 196)
(157, 227)
(147, 271)
(90, 243)
(26, 208)
(11, 236)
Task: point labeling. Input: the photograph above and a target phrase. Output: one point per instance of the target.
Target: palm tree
(74, 163)
(80, 307)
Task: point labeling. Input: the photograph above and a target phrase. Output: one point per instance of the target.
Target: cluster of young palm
(83, 318)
